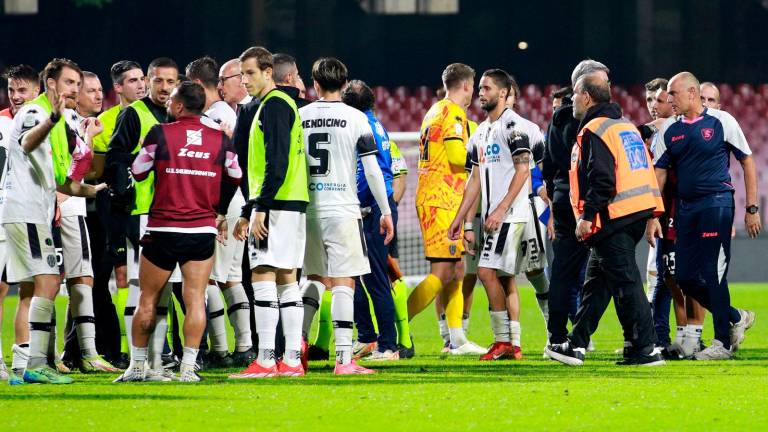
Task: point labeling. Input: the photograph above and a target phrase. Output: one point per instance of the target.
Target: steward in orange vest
(612, 178)
(613, 192)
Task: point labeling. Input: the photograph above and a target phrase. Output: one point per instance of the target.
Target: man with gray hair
(570, 255)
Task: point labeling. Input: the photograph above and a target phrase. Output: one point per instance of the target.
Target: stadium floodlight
(20, 7)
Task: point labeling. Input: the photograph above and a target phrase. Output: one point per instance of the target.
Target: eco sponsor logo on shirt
(330, 187)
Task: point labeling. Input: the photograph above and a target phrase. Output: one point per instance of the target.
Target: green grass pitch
(428, 393)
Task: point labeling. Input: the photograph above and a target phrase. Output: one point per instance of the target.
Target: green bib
(108, 121)
(145, 189)
(295, 185)
(58, 138)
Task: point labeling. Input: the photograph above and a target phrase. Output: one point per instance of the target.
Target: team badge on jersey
(195, 137)
(707, 133)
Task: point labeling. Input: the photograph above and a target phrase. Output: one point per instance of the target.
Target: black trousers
(612, 272)
(570, 256)
(105, 313)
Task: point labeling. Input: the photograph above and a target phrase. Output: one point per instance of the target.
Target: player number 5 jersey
(334, 135)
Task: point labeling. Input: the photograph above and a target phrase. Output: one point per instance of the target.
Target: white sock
(40, 315)
(342, 315)
(292, 315)
(311, 293)
(130, 308)
(160, 335)
(189, 358)
(267, 314)
(19, 358)
(514, 332)
(239, 312)
(138, 357)
(500, 326)
(456, 336)
(442, 325)
(81, 307)
(679, 334)
(541, 286)
(217, 329)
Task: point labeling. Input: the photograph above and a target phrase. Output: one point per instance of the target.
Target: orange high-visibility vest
(636, 186)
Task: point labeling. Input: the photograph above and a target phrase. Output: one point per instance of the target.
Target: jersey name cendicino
(335, 134)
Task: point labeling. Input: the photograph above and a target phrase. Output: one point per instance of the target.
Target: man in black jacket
(613, 192)
(570, 255)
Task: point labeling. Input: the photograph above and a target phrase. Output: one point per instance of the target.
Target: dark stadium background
(725, 41)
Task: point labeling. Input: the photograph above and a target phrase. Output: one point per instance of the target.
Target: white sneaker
(716, 351)
(468, 348)
(362, 349)
(133, 374)
(190, 376)
(690, 347)
(591, 346)
(3, 371)
(160, 375)
(738, 329)
(387, 355)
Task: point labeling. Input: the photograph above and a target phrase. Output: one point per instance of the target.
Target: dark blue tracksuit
(699, 152)
(376, 283)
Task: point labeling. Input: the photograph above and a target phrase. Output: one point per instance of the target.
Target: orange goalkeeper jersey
(440, 183)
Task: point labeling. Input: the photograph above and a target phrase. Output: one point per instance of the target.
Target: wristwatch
(753, 209)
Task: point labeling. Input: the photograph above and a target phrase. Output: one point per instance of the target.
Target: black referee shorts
(166, 249)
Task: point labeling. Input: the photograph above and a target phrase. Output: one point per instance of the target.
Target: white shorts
(651, 266)
(76, 247)
(500, 248)
(532, 255)
(470, 261)
(284, 246)
(336, 248)
(30, 251)
(228, 259)
(133, 257)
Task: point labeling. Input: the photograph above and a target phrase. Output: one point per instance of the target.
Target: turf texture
(429, 392)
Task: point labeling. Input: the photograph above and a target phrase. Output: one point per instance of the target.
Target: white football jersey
(493, 146)
(6, 126)
(30, 184)
(221, 114)
(335, 134)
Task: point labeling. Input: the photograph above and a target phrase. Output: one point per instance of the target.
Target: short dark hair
(329, 73)
(118, 70)
(264, 58)
(54, 67)
(192, 96)
(183, 78)
(281, 65)
(455, 73)
(22, 72)
(500, 77)
(204, 69)
(656, 84)
(596, 87)
(161, 62)
(562, 93)
(358, 95)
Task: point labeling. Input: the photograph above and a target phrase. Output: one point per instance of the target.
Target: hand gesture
(583, 229)
(493, 221)
(240, 232)
(221, 226)
(387, 228)
(653, 231)
(93, 127)
(258, 227)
